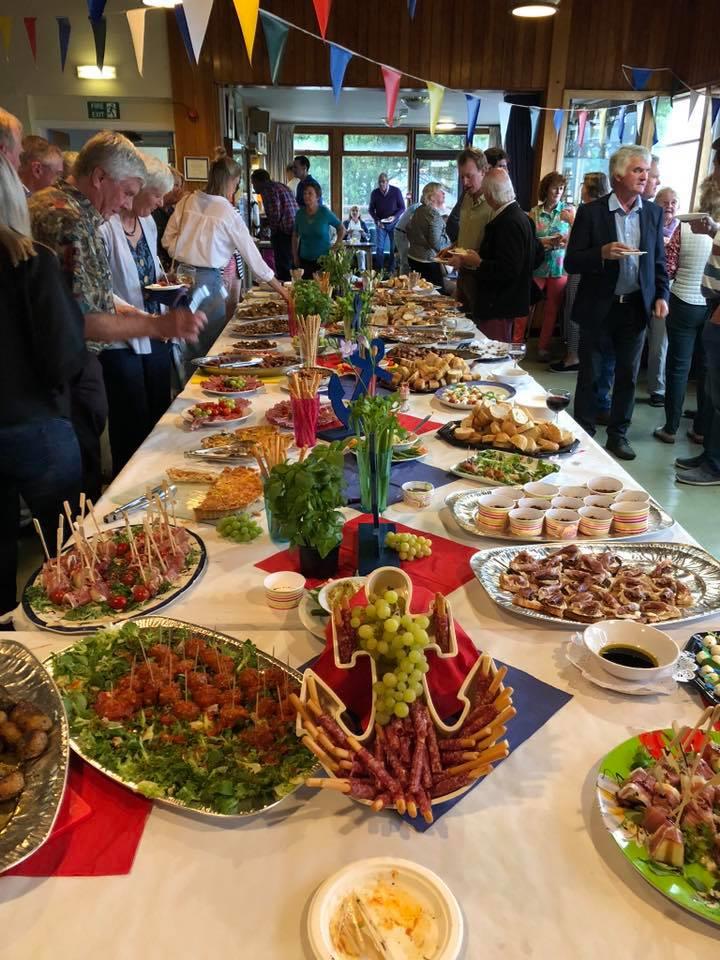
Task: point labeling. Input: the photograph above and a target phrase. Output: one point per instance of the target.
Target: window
(444, 141)
(375, 142)
(360, 175)
(602, 138)
(320, 171)
(311, 142)
(678, 145)
(442, 171)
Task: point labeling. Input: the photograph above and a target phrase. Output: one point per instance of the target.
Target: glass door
(440, 168)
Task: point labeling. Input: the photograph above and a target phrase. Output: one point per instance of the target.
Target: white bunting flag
(136, 22)
(197, 14)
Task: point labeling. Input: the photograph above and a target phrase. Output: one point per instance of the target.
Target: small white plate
(689, 217)
(323, 601)
(314, 625)
(424, 886)
(186, 421)
(161, 287)
(633, 253)
(577, 654)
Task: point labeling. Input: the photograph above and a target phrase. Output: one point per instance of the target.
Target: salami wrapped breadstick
(433, 749)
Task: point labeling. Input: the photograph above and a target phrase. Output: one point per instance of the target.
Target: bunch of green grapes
(396, 641)
(409, 546)
(240, 527)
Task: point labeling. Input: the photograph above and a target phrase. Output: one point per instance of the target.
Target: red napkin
(445, 677)
(329, 360)
(410, 423)
(447, 569)
(98, 842)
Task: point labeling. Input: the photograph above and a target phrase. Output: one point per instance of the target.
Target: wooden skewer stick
(91, 511)
(134, 549)
(38, 530)
(59, 541)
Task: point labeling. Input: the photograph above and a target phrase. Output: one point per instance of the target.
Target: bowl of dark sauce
(630, 650)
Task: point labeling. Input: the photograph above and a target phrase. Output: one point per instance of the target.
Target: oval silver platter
(33, 817)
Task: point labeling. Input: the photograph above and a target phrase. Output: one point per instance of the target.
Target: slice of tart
(235, 489)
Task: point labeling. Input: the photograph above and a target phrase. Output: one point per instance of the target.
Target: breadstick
(320, 754)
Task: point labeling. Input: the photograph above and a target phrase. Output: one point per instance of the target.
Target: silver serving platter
(531, 463)
(36, 809)
(213, 636)
(464, 505)
(699, 571)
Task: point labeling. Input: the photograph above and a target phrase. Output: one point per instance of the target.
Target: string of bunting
(193, 17)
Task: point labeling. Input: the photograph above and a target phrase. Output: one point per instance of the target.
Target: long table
(525, 852)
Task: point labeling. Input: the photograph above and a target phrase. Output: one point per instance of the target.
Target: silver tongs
(162, 492)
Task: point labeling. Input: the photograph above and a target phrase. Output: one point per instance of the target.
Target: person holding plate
(386, 207)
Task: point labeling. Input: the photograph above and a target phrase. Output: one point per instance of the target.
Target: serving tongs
(161, 492)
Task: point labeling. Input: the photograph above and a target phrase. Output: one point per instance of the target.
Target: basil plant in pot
(303, 499)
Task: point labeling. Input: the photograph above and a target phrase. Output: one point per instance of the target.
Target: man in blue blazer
(616, 245)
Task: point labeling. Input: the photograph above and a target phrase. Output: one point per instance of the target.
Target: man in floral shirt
(108, 173)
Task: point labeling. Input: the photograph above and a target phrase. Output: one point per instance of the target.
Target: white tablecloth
(525, 852)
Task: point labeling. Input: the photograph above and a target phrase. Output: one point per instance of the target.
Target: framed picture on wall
(196, 168)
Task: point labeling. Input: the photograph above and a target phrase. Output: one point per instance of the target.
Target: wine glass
(186, 275)
(517, 351)
(556, 400)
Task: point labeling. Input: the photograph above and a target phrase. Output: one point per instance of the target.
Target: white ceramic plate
(185, 421)
(162, 287)
(314, 625)
(502, 391)
(331, 584)
(689, 217)
(231, 393)
(414, 880)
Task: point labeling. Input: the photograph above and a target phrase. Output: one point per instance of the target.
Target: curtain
(522, 155)
(280, 149)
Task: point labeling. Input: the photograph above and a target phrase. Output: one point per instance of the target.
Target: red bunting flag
(582, 121)
(391, 79)
(31, 30)
(322, 12)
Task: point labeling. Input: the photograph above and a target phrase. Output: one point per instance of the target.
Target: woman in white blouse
(137, 372)
(204, 232)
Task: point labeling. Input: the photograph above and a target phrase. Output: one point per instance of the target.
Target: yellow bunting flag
(6, 33)
(437, 93)
(247, 11)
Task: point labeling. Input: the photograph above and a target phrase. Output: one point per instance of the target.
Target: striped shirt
(710, 287)
(694, 249)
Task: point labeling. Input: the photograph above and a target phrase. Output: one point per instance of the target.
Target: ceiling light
(533, 11)
(162, 3)
(445, 125)
(92, 72)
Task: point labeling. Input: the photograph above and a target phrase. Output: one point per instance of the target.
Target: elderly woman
(136, 371)
(356, 231)
(686, 254)
(311, 236)
(204, 231)
(43, 349)
(595, 184)
(553, 219)
(426, 234)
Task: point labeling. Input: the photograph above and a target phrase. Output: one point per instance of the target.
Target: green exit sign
(103, 110)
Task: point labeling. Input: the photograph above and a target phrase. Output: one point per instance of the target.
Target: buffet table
(525, 852)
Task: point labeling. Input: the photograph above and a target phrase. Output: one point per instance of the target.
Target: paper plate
(411, 879)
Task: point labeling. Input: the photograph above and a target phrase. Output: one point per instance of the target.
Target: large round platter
(216, 362)
(447, 433)
(214, 638)
(503, 391)
(464, 506)
(674, 884)
(55, 621)
(693, 566)
(34, 815)
(424, 886)
(219, 422)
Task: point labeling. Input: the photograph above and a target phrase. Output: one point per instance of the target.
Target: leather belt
(627, 297)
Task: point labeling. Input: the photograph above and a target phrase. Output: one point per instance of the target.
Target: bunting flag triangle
(339, 59)
(197, 15)
(582, 123)
(6, 33)
(534, 124)
(31, 31)
(184, 31)
(473, 108)
(99, 29)
(437, 95)
(694, 97)
(247, 13)
(322, 12)
(64, 29)
(411, 8)
(96, 8)
(654, 112)
(276, 34)
(391, 79)
(557, 120)
(504, 111)
(640, 77)
(621, 124)
(602, 123)
(136, 23)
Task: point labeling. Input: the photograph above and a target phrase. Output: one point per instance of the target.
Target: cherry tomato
(141, 593)
(128, 578)
(123, 548)
(117, 602)
(57, 596)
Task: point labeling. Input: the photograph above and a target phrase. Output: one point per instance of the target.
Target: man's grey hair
(114, 153)
(10, 129)
(620, 160)
(497, 185)
(655, 158)
(158, 175)
(13, 205)
(38, 149)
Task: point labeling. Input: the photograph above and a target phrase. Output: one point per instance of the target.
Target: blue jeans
(383, 230)
(684, 330)
(711, 342)
(40, 461)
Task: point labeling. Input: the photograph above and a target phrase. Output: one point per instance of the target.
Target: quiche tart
(235, 489)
